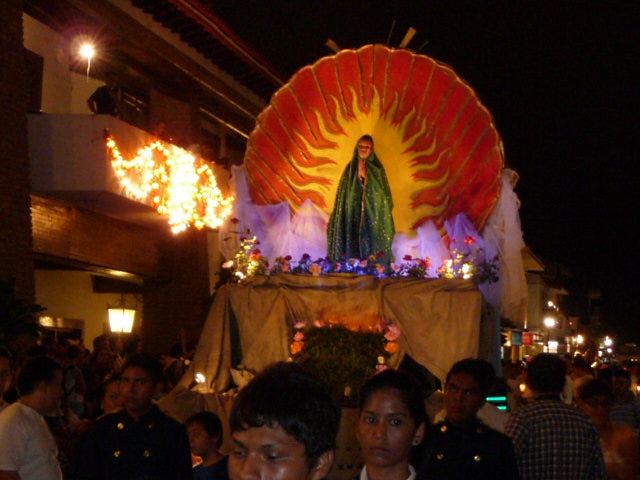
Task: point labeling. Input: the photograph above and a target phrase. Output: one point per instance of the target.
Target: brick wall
(175, 268)
(64, 231)
(179, 301)
(15, 225)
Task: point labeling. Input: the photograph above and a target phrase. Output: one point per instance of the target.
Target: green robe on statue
(361, 223)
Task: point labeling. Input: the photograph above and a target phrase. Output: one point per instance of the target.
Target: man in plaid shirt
(553, 440)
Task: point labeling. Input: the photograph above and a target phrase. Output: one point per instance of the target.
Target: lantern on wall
(121, 316)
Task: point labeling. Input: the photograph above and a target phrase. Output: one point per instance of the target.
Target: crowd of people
(284, 422)
(91, 385)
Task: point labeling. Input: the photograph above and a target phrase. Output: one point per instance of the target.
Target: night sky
(561, 80)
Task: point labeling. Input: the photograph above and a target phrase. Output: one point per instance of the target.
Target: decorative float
(453, 201)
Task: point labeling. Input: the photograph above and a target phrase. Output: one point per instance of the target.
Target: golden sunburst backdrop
(437, 142)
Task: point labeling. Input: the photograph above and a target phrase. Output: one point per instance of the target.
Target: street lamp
(87, 51)
(549, 323)
(121, 316)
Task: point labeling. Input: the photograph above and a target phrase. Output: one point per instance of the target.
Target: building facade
(69, 237)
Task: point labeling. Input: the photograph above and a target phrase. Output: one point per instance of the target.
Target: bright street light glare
(87, 51)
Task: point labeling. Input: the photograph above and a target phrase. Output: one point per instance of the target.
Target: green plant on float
(342, 358)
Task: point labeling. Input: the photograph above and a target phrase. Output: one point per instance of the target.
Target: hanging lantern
(121, 317)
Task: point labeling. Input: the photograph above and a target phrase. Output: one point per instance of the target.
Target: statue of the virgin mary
(361, 223)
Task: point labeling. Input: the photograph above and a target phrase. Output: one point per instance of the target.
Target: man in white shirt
(27, 448)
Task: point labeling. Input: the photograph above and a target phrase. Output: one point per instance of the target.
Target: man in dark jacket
(139, 441)
(462, 447)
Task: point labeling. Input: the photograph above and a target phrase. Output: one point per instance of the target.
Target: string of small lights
(174, 182)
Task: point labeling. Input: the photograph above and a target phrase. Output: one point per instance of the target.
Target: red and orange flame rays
(438, 144)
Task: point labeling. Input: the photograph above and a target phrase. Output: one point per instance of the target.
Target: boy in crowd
(462, 446)
(284, 425)
(139, 441)
(205, 438)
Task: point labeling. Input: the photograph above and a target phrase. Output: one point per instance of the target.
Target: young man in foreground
(284, 425)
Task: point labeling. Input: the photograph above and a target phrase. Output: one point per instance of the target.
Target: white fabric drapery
(282, 232)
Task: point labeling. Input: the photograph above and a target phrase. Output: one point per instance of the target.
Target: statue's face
(365, 147)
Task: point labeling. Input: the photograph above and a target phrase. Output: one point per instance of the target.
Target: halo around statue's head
(439, 146)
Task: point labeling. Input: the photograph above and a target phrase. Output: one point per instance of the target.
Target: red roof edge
(195, 10)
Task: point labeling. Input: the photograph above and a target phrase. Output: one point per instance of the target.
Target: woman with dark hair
(361, 223)
(594, 396)
(391, 425)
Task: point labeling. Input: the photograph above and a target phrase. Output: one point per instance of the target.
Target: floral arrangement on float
(344, 355)
(249, 262)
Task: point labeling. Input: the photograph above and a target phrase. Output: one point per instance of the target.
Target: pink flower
(286, 268)
(299, 325)
(227, 264)
(393, 333)
(363, 263)
(288, 258)
(319, 324)
(298, 337)
(469, 240)
(381, 368)
(407, 258)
